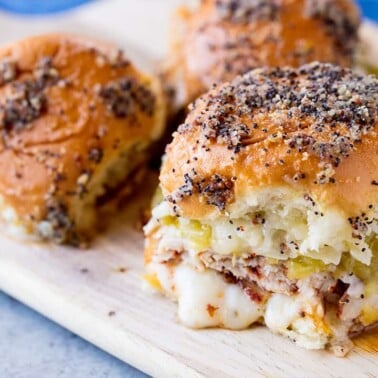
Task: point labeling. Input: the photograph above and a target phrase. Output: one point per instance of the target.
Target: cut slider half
(269, 207)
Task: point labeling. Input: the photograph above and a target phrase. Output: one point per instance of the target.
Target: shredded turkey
(269, 277)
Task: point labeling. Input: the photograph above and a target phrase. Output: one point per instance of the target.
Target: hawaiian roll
(219, 39)
(76, 119)
(270, 204)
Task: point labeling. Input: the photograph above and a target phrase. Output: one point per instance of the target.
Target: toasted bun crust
(311, 129)
(223, 38)
(70, 107)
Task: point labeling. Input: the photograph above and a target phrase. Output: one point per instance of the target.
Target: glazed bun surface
(223, 38)
(311, 130)
(76, 118)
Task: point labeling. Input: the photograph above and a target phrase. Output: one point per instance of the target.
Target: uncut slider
(269, 207)
(76, 121)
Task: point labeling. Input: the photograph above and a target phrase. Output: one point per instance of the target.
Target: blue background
(370, 7)
(39, 6)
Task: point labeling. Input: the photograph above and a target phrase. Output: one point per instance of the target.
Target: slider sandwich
(77, 119)
(269, 207)
(219, 39)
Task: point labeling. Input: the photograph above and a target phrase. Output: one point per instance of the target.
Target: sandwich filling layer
(306, 272)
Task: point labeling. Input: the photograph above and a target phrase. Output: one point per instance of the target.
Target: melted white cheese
(205, 299)
(294, 317)
(281, 312)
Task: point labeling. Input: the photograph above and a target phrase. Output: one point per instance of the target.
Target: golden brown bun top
(223, 38)
(67, 105)
(311, 129)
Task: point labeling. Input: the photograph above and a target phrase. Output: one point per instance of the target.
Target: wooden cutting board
(97, 294)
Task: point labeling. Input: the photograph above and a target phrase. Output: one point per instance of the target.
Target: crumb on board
(211, 310)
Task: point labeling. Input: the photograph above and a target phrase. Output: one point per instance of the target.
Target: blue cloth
(32, 346)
